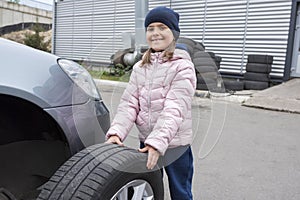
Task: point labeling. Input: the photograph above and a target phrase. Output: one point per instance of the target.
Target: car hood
(32, 74)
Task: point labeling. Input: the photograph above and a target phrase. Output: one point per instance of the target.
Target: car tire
(190, 49)
(265, 59)
(258, 67)
(203, 80)
(199, 47)
(205, 61)
(202, 54)
(255, 85)
(186, 47)
(209, 75)
(187, 41)
(208, 86)
(204, 69)
(218, 60)
(253, 76)
(233, 85)
(104, 171)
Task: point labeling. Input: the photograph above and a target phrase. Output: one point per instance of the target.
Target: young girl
(158, 100)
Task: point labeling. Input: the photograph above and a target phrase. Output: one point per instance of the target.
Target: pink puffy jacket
(158, 100)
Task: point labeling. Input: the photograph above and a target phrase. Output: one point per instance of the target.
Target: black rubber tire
(204, 69)
(218, 60)
(202, 54)
(202, 80)
(186, 47)
(209, 86)
(6, 195)
(212, 54)
(99, 172)
(209, 75)
(233, 85)
(190, 44)
(204, 61)
(265, 59)
(252, 76)
(255, 85)
(258, 67)
(187, 41)
(190, 49)
(199, 47)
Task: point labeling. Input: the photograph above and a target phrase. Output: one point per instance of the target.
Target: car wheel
(204, 69)
(266, 59)
(204, 61)
(205, 80)
(187, 41)
(253, 76)
(199, 47)
(255, 85)
(105, 171)
(209, 86)
(233, 85)
(258, 67)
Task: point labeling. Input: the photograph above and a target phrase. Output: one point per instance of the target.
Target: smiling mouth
(155, 40)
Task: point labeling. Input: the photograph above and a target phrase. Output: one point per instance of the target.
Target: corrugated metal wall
(92, 30)
(267, 30)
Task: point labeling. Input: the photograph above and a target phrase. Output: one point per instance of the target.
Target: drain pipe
(141, 9)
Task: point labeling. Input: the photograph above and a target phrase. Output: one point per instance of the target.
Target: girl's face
(159, 36)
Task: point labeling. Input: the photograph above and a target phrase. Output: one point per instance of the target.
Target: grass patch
(107, 76)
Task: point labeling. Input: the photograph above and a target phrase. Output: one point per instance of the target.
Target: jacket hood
(181, 54)
(178, 54)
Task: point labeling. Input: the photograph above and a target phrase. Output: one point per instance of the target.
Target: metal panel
(234, 29)
(225, 30)
(267, 31)
(91, 30)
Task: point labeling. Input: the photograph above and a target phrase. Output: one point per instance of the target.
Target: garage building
(92, 30)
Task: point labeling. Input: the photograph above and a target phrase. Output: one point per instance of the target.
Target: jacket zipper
(150, 91)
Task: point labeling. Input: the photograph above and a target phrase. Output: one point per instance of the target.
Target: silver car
(50, 109)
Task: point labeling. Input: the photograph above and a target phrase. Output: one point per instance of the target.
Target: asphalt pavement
(246, 144)
(283, 97)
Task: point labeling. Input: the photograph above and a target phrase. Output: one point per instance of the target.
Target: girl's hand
(114, 139)
(153, 156)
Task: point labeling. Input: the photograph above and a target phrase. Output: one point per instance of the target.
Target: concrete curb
(284, 97)
(238, 96)
(111, 83)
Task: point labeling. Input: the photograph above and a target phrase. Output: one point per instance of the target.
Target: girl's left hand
(153, 156)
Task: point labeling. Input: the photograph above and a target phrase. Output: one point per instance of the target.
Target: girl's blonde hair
(168, 54)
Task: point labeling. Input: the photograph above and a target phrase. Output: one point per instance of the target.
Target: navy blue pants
(178, 164)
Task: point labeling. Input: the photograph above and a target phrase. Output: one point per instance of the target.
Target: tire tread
(92, 170)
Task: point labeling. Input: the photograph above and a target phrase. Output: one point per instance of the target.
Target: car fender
(37, 75)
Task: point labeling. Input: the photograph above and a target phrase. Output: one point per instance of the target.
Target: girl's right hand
(114, 139)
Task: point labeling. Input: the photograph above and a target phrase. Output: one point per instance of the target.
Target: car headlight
(80, 76)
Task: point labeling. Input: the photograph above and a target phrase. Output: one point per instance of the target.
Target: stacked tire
(206, 64)
(207, 71)
(233, 85)
(258, 68)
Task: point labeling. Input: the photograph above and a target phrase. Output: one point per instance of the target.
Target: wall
(12, 13)
(91, 30)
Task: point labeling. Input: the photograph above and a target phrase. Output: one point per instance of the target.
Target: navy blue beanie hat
(166, 16)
